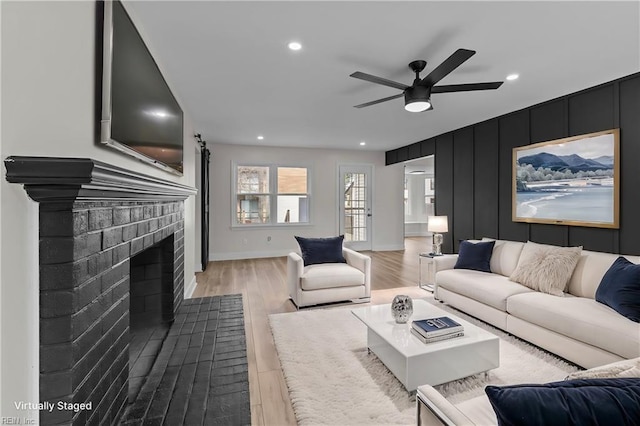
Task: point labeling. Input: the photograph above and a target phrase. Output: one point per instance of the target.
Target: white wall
(228, 243)
(417, 211)
(48, 51)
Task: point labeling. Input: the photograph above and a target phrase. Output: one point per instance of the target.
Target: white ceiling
(229, 64)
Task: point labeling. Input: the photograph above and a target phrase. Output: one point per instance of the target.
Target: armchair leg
(294, 304)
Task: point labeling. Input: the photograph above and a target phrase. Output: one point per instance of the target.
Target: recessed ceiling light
(363, 143)
(512, 77)
(260, 137)
(294, 45)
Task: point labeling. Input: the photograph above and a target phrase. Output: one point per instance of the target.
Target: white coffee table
(415, 363)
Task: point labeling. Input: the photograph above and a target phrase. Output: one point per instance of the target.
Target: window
(428, 191)
(268, 195)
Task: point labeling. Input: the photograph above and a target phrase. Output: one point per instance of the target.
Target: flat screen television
(140, 116)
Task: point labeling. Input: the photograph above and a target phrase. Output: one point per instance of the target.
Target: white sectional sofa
(436, 410)
(575, 327)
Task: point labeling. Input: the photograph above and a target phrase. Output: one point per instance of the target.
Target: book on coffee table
(440, 326)
(436, 338)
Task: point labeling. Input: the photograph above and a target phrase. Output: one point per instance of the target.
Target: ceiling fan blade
(379, 101)
(449, 64)
(378, 80)
(466, 87)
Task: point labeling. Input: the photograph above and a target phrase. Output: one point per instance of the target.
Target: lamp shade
(437, 224)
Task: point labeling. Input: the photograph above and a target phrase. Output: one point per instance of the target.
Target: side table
(427, 271)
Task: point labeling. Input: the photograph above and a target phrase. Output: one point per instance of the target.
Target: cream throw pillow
(546, 268)
(620, 369)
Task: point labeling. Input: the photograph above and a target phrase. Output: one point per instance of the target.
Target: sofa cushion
(589, 272)
(321, 250)
(620, 288)
(581, 319)
(478, 410)
(475, 256)
(330, 275)
(571, 402)
(490, 289)
(546, 268)
(505, 256)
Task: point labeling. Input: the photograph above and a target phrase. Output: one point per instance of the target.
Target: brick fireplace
(95, 220)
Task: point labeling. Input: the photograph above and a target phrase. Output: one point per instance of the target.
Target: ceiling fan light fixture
(417, 99)
(417, 106)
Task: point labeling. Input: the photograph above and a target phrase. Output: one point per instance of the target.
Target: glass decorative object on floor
(401, 308)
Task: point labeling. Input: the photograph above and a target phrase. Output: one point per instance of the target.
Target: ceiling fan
(417, 97)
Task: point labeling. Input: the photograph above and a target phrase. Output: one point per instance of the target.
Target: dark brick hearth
(200, 376)
(93, 219)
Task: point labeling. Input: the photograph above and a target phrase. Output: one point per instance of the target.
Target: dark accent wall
(473, 167)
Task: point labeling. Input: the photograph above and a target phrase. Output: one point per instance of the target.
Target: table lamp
(437, 225)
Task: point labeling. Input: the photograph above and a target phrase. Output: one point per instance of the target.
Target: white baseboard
(248, 254)
(388, 247)
(188, 290)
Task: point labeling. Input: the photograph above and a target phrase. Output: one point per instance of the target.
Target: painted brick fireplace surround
(93, 218)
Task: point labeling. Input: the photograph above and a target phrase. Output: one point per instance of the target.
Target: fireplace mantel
(53, 179)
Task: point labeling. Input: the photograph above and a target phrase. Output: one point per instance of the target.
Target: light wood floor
(262, 283)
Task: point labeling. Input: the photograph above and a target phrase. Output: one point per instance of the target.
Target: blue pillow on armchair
(620, 288)
(476, 256)
(321, 250)
(570, 402)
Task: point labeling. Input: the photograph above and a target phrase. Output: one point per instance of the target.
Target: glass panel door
(355, 206)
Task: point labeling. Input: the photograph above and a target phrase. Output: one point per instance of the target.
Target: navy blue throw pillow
(321, 250)
(570, 402)
(620, 288)
(476, 256)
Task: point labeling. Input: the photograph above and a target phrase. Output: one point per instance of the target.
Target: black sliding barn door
(204, 185)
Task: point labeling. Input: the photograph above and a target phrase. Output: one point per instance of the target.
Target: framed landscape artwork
(570, 181)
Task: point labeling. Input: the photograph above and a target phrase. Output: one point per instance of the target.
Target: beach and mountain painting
(571, 181)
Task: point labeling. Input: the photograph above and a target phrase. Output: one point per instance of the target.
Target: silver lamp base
(437, 244)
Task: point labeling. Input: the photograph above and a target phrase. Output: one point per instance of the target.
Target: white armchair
(329, 282)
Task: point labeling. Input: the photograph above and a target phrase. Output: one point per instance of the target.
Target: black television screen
(140, 115)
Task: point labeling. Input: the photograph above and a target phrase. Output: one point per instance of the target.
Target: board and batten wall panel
(462, 225)
(629, 155)
(513, 132)
(444, 184)
(483, 153)
(485, 180)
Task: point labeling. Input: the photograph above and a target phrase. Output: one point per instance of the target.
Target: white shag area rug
(333, 380)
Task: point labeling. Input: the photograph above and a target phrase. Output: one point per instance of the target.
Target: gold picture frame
(571, 181)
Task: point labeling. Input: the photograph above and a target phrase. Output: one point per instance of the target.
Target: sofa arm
(295, 269)
(362, 262)
(447, 261)
(435, 410)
